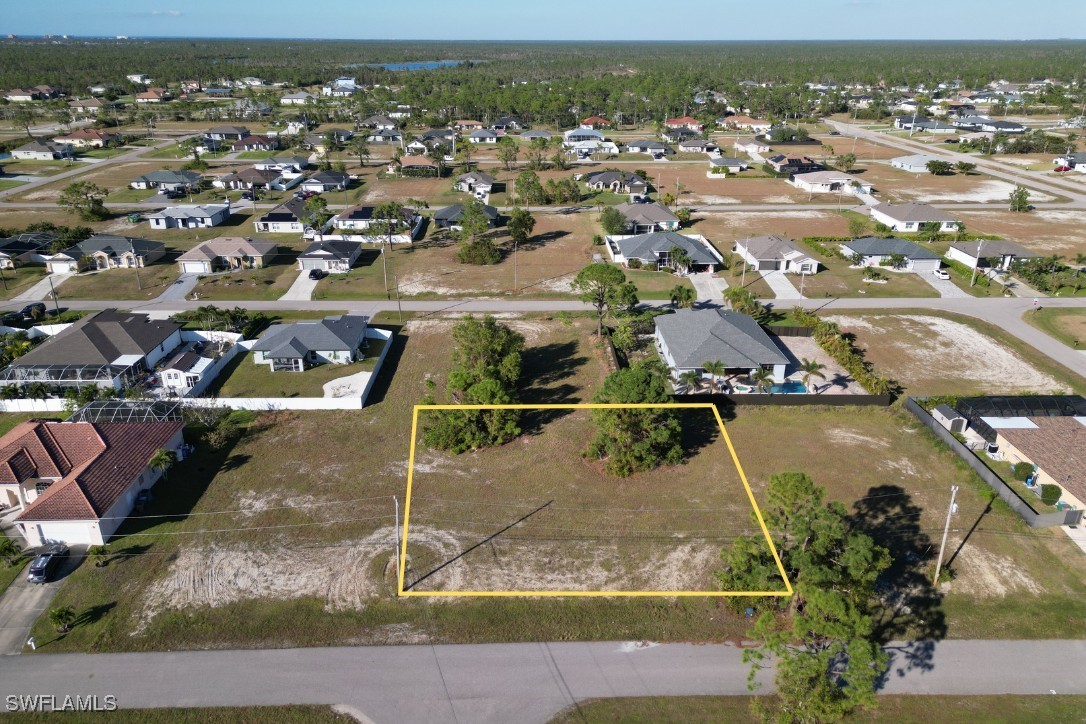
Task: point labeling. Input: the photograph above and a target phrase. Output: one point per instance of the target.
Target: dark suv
(45, 565)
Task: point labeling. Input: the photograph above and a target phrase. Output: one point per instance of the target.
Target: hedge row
(829, 337)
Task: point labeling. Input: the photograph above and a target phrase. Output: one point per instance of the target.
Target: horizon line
(124, 36)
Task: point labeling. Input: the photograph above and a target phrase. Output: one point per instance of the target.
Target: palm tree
(10, 552)
(763, 379)
(811, 368)
(682, 296)
(37, 391)
(714, 369)
(62, 617)
(163, 460)
(692, 379)
(680, 260)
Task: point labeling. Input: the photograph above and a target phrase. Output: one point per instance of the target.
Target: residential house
(23, 249)
(988, 253)
(577, 135)
(168, 180)
(324, 181)
(655, 249)
(783, 163)
(413, 166)
(830, 182)
(228, 133)
(697, 145)
(249, 108)
(508, 123)
(483, 135)
(301, 345)
(685, 122)
(1056, 447)
(585, 149)
(88, 138)
(530, 135)
(378, 122)
(106, 251)
(879, 251)
(1001, 127)
(676, 135)
(594, 123)
(283, 164)
(22, 95)
(1072, 160)
(249, 178)
(330, 255)
(467, 125)
(689, 338)
(227, 253)
(912, 216)
(106, 349)
(361, 218)
(139, 78)
(42, 150)
(642, 218)
(914, 164)
(656, 149)
(287, 218)
(153, 95)
(255, 143)
(449, 217)
(907, 123)
(476, 183)
(341, 88)
(746, 123)
(86, 107)
(191, 216)
(385, 135)
(617, 182)
(751, 146)
(77, 482)
(727, 164)
(300, 98)
(936, 128)
(773, 253)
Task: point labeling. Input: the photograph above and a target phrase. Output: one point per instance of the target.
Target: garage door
(193, 267)
(311, 263)
(64, 267)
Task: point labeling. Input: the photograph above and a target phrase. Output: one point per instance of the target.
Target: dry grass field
(896, 185)
(1044, 231)
(724, 227)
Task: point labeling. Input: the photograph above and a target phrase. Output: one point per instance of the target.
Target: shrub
(633, 263)
(1050, 494)
(829, 337)
(1022, 470)
(481, 251)
(597, 240)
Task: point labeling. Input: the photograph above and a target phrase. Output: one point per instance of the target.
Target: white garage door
(64, 267)
(193, 267)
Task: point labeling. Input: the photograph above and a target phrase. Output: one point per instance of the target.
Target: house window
(41, 486)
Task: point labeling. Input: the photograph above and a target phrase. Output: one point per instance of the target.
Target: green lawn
(838, 279)
(290, 714)
(1066, 325)
(244, 378)
(126, 195)
(269, 282)
(119, 283)
(897, 708)
(7, 183)
(256, 155)
(102, 152)
(16, 281)
(655, 285)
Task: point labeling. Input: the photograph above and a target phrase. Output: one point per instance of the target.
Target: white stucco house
(911, 216)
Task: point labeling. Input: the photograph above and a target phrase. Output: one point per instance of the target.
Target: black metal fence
(1005, 492)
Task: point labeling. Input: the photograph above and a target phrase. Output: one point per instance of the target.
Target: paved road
(23, 603)
(500, 682)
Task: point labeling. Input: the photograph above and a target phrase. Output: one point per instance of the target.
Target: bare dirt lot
(699, 189)
(1043, 231)
(896, 185)
(935, 356)
(724, 227)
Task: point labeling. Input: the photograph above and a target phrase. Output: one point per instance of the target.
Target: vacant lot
(863, 149)
(112, 177)
(897, 185)
(1066, 325)
(1046, 232)
(724, 227)
(119, 283)
(560, 246)
(575, 528)
(933, 355)
(697, 188)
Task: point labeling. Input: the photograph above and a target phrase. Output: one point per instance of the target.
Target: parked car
(45, 565)
(1063, 169)
(11, 319)
(317, 274)
(940, 273)
(29, 310)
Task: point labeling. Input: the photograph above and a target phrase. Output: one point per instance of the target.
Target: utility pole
(973, 281)
(399, 307)
(515, 285)
(946, 529)
(52, 292)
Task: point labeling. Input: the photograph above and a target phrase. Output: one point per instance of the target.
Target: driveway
(946, 288)
(180, 289)
(42, 290)
(782, 286)
(301, 290)
(708, 286)
(22, 603)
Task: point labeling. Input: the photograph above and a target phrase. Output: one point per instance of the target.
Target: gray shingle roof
(115, 246)
(342, 333)
(876, 246)
(452, 214)
(100, 339)
(653, 213)
(648, 247)
(913, 211)
(768, 247)
(696, 336)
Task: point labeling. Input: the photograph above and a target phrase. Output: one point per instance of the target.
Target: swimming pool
(789, 387)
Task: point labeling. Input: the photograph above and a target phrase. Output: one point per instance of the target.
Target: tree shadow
(234, 462)
(976, 524)
(544, 370)
(395, 352)
(94, 614)
(699, 430)
(909, 607)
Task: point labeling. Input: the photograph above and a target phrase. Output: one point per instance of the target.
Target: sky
(555, 19)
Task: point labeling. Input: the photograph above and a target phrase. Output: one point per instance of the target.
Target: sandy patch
(718, 200)
(349, 386)
(988, 575)
(952, 348)
(561, 284)
(844, 436)
(423, 283)
(758, 215)
(982, 193)
(533, 331)
(778, 200)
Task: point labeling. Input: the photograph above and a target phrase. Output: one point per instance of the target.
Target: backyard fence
(785, 331)
(1005, 492)
(788, 400)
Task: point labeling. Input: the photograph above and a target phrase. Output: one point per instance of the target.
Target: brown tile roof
(104, 459)
(1058, 447)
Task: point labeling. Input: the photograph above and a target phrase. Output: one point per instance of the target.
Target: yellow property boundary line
(585, 594)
